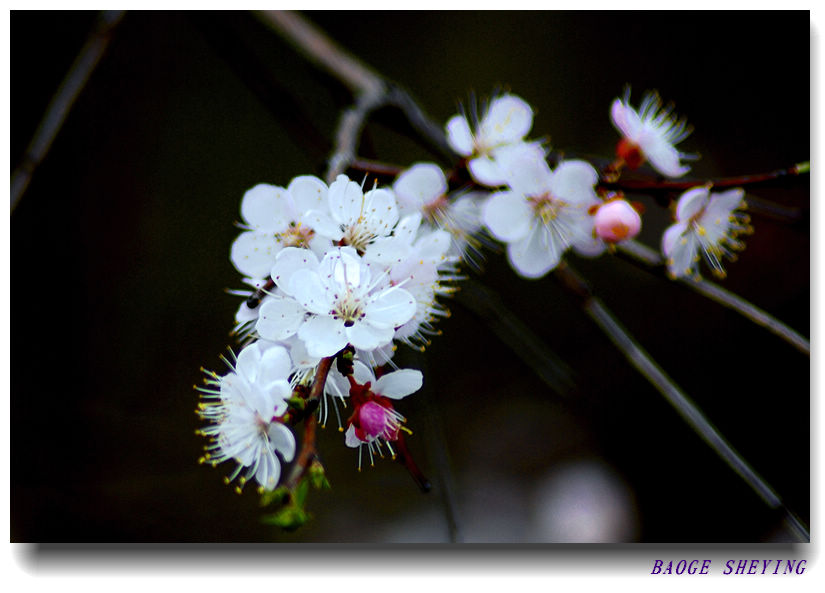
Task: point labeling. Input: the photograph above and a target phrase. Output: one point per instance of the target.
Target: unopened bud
(617, 220)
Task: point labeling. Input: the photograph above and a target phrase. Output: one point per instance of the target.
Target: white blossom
(543, 213)
(499, 135)
(651, 134)
(423, 189)
(242, 408)
(352, 217)
(334, 302)
(275, 218)
(708, 223)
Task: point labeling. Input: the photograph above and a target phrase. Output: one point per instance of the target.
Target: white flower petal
(269, 470)
(486, 171)
(508, 120)
(380, 212)
(310, 292)
(680, 247)
(366, 336)
(362, 373)
(345, 200)
(529, 175)
(289, 261)
(263, 208)
(279, 318)
(691, 203)
(350, 439)
(308, 193)
(537, 254)
(432, 247)
(390, 309)
(721, 205)
(282, 440)
(662, 156)
(248, 362)
(323, 224)
(399, 383)
(386, 250)
(275, 364)
(337, 384)
(421, 184)
(459, 136)
(573, 181)
(253, 253)
(278, 391)
(625, 119)
(508, 216)
(323, 336)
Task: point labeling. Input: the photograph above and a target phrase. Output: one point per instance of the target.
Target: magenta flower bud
(373, 419)
(616, 221)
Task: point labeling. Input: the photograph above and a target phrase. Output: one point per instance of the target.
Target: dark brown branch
(685, 184)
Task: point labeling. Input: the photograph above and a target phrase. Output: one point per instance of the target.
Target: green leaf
(317, 476)
(301, 493)
(288, 518)
(279, 496)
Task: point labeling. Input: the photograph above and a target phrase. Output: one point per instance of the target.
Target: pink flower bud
(617, 220)
(373, 419)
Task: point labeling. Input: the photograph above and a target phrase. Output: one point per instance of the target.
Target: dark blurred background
(119, 261)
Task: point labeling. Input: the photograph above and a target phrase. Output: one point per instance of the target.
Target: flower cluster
(336, 269)
(341, 273)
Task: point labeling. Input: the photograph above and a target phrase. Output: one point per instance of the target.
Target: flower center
(348, 308)
(358, 235)
(434, 210)
(547, 208)
(296, 236)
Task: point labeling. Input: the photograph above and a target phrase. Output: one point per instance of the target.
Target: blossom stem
(406, 459)
(308, 450)
(638, 253)
(694, 417)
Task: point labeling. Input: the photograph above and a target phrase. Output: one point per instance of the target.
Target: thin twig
(752, 180)
(516, 335)
(640, 253)
(371, 90)
(322, 51)
(62, 102)
(651, 371)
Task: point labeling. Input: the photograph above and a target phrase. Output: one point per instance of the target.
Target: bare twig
(756, 179)
(62, 102)
(640, 253)
(516, 335)
(651, 371)
(371, 90)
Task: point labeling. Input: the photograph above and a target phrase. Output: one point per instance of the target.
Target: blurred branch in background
(641, 360)
(639, 253)
(371, 90)
(62, 102)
